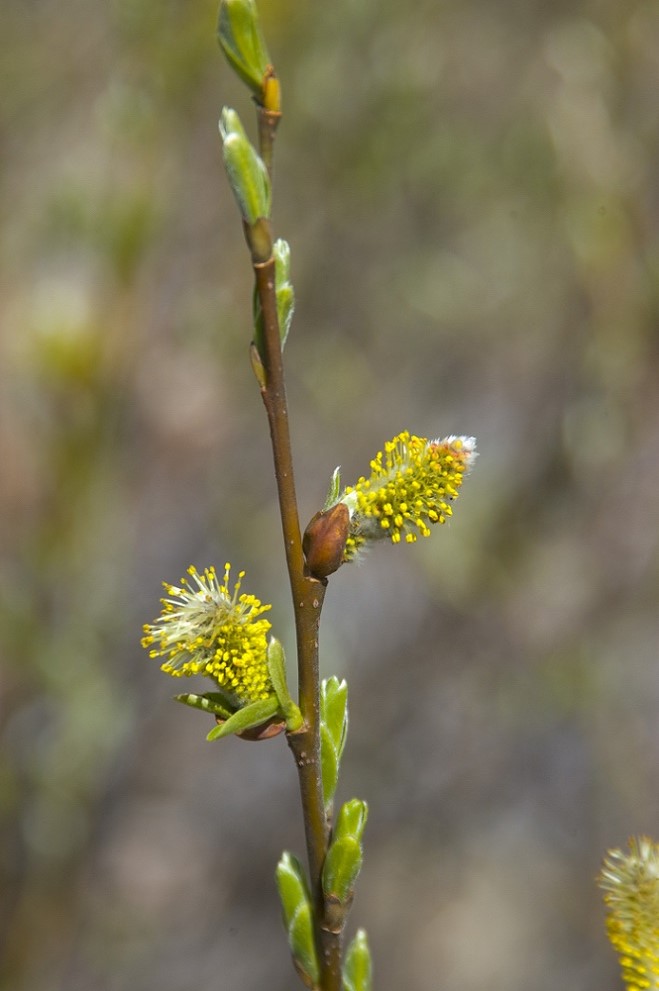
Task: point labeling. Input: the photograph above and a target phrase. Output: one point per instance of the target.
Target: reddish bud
(324, 540)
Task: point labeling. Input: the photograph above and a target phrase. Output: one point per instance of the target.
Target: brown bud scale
(324, 540)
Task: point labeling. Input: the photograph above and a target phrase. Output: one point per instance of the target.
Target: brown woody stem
(308, 595)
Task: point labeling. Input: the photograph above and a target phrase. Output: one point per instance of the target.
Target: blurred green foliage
(470, 195)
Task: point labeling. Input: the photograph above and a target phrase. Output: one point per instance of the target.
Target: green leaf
(276, 662)
(357, 970)
(277, 669)
(285, 310)
(283, 288)
(248, 176)
(341, 869)
(344, 857)
(285, 297)
(329, 763)
(291, 883)
(297, 911)
(246, 718)
(212, 702)
(351, 820)
(333, 732)
(334, 710)
(241, 40)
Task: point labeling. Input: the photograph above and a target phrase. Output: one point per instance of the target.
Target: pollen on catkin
(206, 629)
(630, 882)
(412, 484)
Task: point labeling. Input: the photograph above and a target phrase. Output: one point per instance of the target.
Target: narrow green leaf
(300, 941)
(329, 763)
(344, 857)
(291, 883)
(334, 710)
(241, 40)
(357, 970)
(276, 661)
(283, 288)
(341, 869)
(285, 310)
(351, 820)
(333, 731)
(297, 912)
(246, 718)
(210, 702)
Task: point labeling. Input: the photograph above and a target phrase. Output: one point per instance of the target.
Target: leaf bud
(248, 176)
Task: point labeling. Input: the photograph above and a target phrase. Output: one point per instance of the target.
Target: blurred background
(471, 195)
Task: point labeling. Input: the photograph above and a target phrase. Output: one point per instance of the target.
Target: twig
(308, 595)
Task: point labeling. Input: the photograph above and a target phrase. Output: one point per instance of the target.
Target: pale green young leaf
(246, 718)
(213, 702)
(333, 731)
(291, 884)
(334, 710)
(284, 291)
(329, 763)
(276, 662)
(351, 820)
(341, 869)
(344, 857)
(296, 905)
(240, 37)
(357, 969)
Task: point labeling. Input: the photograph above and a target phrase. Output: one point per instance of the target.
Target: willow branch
(308, 595)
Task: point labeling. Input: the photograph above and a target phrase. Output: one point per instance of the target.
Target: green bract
(239, 35)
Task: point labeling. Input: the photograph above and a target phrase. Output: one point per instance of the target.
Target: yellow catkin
(204, 628)
(412, 484)
(630, 882)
